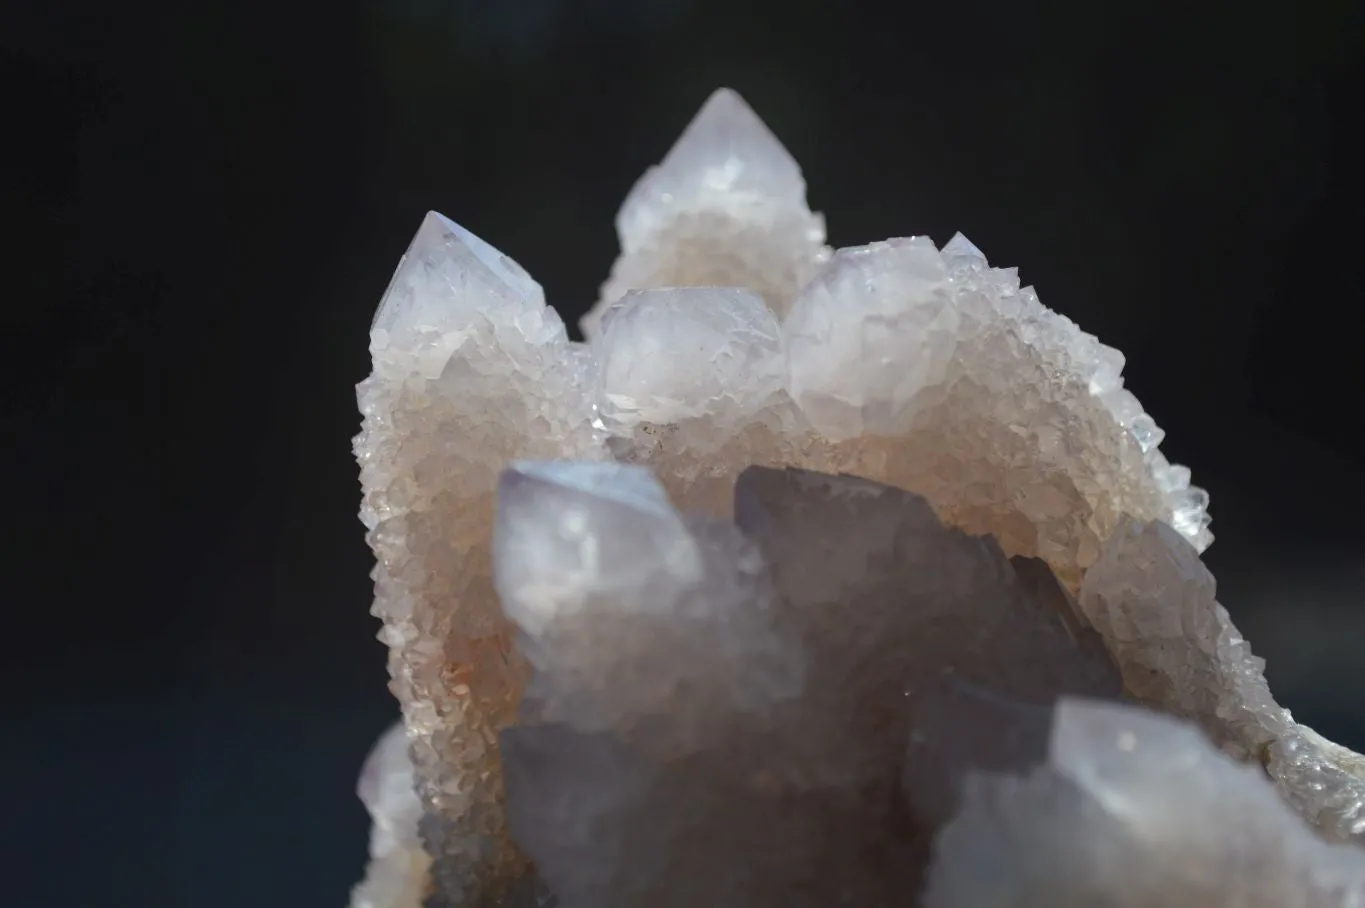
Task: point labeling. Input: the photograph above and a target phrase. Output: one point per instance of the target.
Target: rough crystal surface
(729, 335)
(930, 371)
(726, 207)
(672, 356)
(471, 369)
(736, 733)
(1134, 810)
(1151, 597)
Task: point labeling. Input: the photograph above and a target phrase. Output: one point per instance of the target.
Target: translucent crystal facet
(1151, 597)
(848, 331)
(801, 668)
(448, 276)
(566, 533)
(752, 718)
(672, 355)
(1134, 810)
(726, 207)
(471, 369)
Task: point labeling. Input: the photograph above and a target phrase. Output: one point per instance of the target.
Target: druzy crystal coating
(567, 533)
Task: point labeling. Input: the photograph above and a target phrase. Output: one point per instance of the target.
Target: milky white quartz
(729, 335)
(726, 207)
(711, 353)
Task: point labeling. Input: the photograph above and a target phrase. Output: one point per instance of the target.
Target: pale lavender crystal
(726, 207)
(622, 603)
(668, 356)
(730, 718)
(847, 333)
(1134, 810)
(1152, 599)
(791, 657)
(471, 368)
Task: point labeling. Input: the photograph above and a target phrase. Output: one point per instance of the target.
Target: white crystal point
(726, 158)
(471, 369)
(1108, 370)
(960, 249)
(727, 148)
(569, 534)
(726, 207)
(1134, 810)
(623, 604)
(676, 354)
(875, 329)
(446, 276)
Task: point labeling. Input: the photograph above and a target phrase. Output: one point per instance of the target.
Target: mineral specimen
(838, 694)
(471, 368)
(720, 715)
(728, 336)
(1134, 810)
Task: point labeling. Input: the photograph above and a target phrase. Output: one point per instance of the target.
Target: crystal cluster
(796, 653)
(764, 712)
(837, 700)
(726, 208)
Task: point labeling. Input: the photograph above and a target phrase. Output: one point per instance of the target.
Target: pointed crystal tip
(726, 160)
(727, 108)
(503, 266)
(567, 531)
(443, 268)
(961, 247)
(729, 147)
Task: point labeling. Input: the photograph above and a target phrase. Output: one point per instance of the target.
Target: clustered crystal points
(813, 577)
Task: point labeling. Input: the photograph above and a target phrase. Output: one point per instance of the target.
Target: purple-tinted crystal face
(796, 718)
(783, 707)
(848, 702)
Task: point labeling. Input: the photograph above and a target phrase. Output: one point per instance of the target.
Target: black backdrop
(210, 199)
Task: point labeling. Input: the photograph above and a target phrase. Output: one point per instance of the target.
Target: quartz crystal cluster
(813, 577)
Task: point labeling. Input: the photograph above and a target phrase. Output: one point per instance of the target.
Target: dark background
(210, 199)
